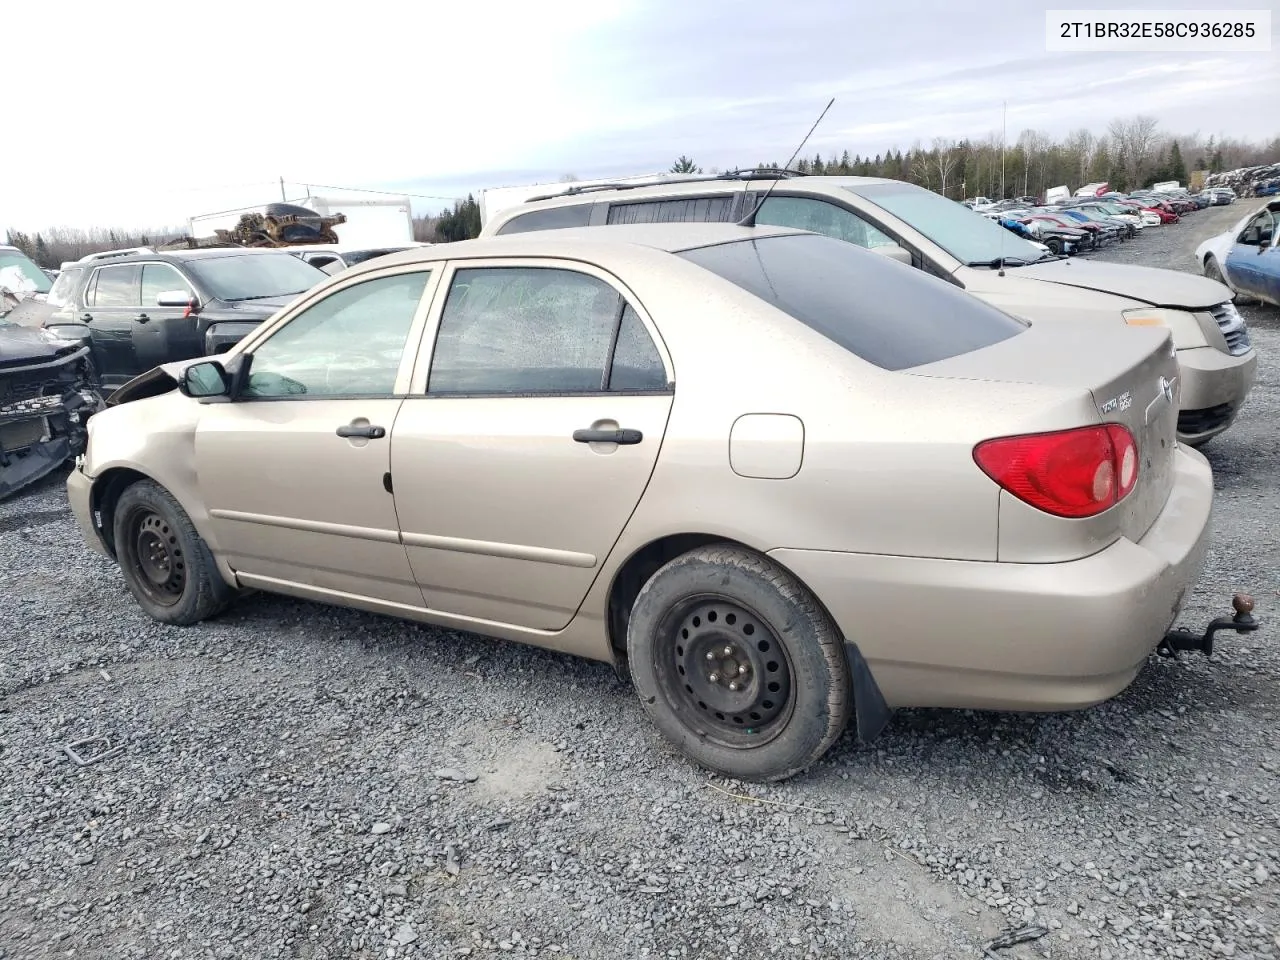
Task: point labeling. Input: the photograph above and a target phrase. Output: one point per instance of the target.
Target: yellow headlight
(1183, 326)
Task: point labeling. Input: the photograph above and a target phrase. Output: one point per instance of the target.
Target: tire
(166, 565)
(722, 598)
(1054, 245)
(1212, 270)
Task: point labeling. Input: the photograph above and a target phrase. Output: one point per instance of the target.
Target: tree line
(1132, 152)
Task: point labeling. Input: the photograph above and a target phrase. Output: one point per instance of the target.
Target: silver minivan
(1217, 363)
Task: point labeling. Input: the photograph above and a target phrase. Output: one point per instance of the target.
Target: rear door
(113, 300)
(523, 449)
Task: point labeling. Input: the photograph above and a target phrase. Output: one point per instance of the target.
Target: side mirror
(177, 298)
(207, 379)
(894, 252)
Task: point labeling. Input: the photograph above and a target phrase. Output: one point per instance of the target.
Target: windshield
(20, 275)
(968, 236)
(255, 276)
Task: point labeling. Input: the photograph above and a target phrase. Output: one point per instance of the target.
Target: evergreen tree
(1177, 168)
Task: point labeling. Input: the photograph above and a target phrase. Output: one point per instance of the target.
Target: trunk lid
(1128, 376)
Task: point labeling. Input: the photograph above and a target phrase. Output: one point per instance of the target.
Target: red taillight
(1069, 473)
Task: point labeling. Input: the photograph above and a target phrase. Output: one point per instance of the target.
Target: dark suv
(139, 310)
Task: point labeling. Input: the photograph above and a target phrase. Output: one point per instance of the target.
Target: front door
(1247, 261)
(164, 334)
(294, 468)
(519, 464)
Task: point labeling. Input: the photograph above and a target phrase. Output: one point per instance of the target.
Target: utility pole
(283, 198)
(1004, 142)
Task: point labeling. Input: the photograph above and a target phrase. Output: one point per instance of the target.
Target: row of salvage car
(1079, 224)
(840, 446)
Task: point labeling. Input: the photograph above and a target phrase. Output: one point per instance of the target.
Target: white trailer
(370, 222)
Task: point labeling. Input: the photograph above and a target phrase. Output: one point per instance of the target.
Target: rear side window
(555, 218)
(885, 312)
(118, 286)
(684, 210)
(540, 331)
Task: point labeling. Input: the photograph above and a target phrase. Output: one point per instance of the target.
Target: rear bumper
(1213, 389)
(1017, 636)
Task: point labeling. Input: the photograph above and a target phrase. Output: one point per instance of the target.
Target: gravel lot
(300, 781)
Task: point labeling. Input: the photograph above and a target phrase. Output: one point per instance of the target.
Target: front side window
(1260, 230)
(117, 286)
(820, 216)
(158, 278)
(349, 344)
(539, 330)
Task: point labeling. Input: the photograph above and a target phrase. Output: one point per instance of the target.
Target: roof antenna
(750, 219)
(1004, 141)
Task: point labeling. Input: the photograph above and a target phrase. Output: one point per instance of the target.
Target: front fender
(155, 437)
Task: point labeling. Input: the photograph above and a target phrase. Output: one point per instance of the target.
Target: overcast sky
(135, 113)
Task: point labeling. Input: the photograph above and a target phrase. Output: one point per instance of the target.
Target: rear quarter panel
(887, 464)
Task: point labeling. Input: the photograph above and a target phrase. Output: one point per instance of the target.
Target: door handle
(142, 318)
(86, 318)
(367, 431)
(608, 436)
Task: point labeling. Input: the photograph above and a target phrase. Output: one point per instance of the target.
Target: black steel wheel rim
(724, 672)
(159, 565)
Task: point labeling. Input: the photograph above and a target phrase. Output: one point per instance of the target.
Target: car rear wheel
(166, 565)
(738, 665)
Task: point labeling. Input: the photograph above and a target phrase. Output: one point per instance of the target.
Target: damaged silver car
(48, 386)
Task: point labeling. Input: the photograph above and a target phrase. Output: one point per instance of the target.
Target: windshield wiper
(262, 296)
(995, 264)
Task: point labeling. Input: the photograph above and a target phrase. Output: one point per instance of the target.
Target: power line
(389, 193)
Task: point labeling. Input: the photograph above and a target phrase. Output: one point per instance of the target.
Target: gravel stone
(260, 747)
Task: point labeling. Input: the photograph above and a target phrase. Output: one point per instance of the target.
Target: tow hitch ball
(1242, 622)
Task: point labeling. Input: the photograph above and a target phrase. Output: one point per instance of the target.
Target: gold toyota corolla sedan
(782, 480)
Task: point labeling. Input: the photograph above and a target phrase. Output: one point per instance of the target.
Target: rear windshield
(255, 276)
(887, 313)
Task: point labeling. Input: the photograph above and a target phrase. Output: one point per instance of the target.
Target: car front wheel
(1212, 270)
(738, 665)
(166, 565)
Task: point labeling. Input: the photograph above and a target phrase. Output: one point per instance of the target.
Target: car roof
(618, 240)
(573, 196)
(207, 253)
